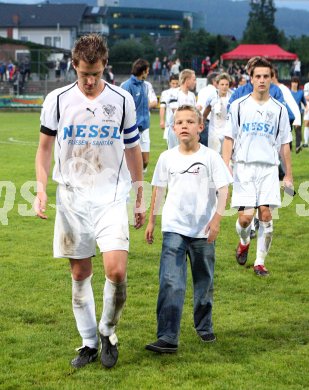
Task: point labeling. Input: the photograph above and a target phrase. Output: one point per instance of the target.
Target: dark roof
(41, 15)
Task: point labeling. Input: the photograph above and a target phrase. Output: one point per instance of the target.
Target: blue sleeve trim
(129, 130)
(131, 140)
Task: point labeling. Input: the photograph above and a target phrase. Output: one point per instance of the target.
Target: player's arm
(135, 166)
(227, 149)
(285, 154)
(156, 201)
(206, 112)
(213, 227)
(162, 117)
(42, 166)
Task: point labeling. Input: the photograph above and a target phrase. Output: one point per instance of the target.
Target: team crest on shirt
(109, 110)
(269, 117)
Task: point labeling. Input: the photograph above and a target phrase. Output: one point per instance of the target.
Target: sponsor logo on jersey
(252, 127)
(79, 132)
(92, 111)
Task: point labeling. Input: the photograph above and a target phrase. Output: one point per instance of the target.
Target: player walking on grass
(257, 130)
(92, 126)
(197, 181)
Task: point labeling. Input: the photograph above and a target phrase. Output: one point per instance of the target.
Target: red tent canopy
(271, 52)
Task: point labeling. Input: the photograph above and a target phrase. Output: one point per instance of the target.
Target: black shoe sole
(91, 360)
(154, 348)
(209, 341)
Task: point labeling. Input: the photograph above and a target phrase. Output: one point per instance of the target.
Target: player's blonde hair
(90, 48)
(185, 74)
(186, 107)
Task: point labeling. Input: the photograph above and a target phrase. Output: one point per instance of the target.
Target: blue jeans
(173, 278)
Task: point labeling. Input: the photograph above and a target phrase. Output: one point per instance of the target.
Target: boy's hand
(212, 229)
(149, 237)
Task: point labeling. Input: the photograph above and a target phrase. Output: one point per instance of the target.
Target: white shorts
(81, 224)
(144, 141)
(306, 116)
(255, 185)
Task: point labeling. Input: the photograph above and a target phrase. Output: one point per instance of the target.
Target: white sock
(84, 311)
(264, 239)
(306, 135)
(114, 297)
(244, 233)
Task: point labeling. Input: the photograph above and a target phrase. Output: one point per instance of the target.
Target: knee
(80, 271)
(265, 215)
(245, 220)
(116, 274)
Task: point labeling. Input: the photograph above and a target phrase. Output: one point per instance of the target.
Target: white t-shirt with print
(192, 182)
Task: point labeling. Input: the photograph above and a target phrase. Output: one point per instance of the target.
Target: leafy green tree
(261, 24)
(149, 48)
(126, 50)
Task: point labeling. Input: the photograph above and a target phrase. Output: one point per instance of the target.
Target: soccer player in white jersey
(182, 95)
(257, 130)
(92, 126)
(216, 105)
(168, 102)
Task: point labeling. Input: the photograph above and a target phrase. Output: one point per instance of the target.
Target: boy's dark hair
(295, 79)
(261, 62)
(90, 48)
(139, 67)
(174, 77)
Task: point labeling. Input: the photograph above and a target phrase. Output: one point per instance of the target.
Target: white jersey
(171, 99)
(218, 115)
(258, 130)
(192, 182)
(152, 97)
(204, 95)
(90, 138)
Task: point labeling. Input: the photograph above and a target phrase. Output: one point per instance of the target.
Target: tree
(261, 24)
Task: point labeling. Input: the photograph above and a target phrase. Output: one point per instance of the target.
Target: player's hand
(39, 205)
(288, 181)
(139, 214)
(162, 124)
(139, 220)
(149, 237)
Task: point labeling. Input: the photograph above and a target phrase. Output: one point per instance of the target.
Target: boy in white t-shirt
(197, 182)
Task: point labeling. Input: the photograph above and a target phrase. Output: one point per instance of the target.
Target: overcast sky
(295, 4)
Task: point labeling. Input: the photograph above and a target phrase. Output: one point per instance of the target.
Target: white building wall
(67, 36)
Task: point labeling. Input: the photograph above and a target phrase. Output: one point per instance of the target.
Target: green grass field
(261, 324)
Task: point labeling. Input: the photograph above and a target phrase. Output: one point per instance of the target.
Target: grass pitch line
(12, 141)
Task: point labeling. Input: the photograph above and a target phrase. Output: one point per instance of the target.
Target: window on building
(48, 41)
(57, 41)
(24, 38)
